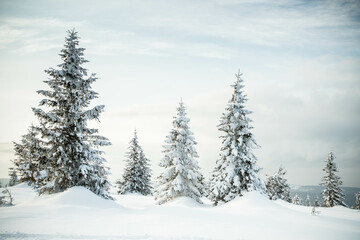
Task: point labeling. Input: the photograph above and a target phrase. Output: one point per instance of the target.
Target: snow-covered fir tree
(30, 158)
(307, 201)
(296, 200)
(137, 173)
(316, 201)
(236, 169)
(6, 198)
(357, 201)
(332, 194)
(72, 147)
(313, 211)
(277, 186)
(181, 175)
(13, 177)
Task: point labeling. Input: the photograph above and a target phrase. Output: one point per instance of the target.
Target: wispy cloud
(211, 29)
(270, 23)
(29, 35)
(223, 29)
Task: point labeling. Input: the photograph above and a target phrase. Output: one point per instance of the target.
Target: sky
(300, 62)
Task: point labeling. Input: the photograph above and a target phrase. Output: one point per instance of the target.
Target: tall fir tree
(236, 170)
(137, 174)
(30, 158)
(181, 176)
(72, 147)
(332, 194)
(277, 186)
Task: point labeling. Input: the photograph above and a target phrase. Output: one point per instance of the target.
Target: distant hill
(302, 191)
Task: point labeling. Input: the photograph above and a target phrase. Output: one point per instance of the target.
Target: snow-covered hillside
(79, 214)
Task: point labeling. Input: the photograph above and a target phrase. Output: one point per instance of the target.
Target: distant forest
(303, 191)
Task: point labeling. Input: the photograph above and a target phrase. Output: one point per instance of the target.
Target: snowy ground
(79, 214)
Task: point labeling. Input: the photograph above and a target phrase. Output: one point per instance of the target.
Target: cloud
(211, 29)
(137, 44)
(40, 22)
(289, 23)
(30, 35)
(227, 29)
(9, 35)
(314, 111)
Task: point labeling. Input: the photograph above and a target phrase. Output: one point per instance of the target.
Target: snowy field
(79, 214)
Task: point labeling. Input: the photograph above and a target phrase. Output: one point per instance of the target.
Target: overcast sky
(300, 60)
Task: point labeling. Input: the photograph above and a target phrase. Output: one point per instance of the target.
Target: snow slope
(79, 214)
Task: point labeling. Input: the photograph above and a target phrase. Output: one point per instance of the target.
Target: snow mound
(134, 200)
(184, 202)
(78, 196)
(79, 214)
(252, 198)
(251, 202)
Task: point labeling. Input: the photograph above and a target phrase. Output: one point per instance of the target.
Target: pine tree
(6, 198)
(316, 201)
(13, 177)
(181, 176)
(236, 170)
(277, 186)
(72, 147)
(313, 210)
(307, 201)
(297, 200)
(137, 174)
(357, 201)
(31, 157)
(332, 194)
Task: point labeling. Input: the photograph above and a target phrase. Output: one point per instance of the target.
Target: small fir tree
(137, 174)
(277, 186)
(13, 177)
(6, 198)
(357, 201)
(31, 157)
(297, 200)
(236, 170)
(181, 176)
(72, 147)
(307, 201)
(332, 194)
(313, 211)
(316, 201)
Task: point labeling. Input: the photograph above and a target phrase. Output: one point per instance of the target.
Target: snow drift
(79, 214)
(76, 196)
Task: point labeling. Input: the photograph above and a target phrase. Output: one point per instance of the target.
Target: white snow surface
(79, 214)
